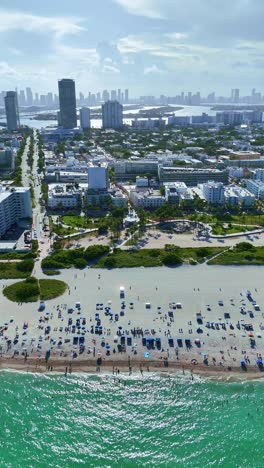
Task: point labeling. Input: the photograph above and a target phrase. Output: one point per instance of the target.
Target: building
(85, 120)
(257, 188)
(67, 99)
(235, 195)
(118, 199)
(15, 205)
(213, 192)
(112, 114)
(7, 159)
(12, 111)
(129, 169)
(191, 176)
(236, 172)
(29, 97)
(259, 174)
(244, 155)
(142, 182)
(64, 197)
(174, 191)
(150, 199)
(97, 178)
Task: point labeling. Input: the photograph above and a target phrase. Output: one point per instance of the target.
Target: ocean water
(102, 421)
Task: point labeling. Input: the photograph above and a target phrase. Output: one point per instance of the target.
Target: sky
(152, 47)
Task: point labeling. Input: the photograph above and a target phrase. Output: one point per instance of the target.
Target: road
(34, 179)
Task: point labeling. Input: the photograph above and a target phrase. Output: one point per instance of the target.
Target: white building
(85, 120)
(235, 195)
(236, 172)
(64, 197)
(112, 114)
(257, 188)
(142, 182)
(15, 205)
(98, 177)
(259, 174)
(148, 199)
(213, 192)
(118, 199)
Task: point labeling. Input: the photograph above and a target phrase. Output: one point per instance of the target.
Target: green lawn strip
(31, 290)
(50, 288)
(78, 258)
(171, 256)
(77, 222)
(51, 272)
(16, 270)
(240, 256)
(233, 229)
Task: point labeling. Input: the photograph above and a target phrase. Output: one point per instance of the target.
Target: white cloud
(11, 20)
(8, 72)
(110, 69)
(153, 70)
(141, 8)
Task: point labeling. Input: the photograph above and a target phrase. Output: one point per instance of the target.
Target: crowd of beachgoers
(133, 332)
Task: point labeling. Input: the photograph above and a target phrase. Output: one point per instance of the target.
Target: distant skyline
(149, 46)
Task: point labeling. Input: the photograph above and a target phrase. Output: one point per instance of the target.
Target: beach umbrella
(107, 346)
(259, 361)
(259, 335)
(146, 355)
(120, 328)
(251, 335)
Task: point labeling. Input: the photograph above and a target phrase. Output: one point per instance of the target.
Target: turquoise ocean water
(99, 421)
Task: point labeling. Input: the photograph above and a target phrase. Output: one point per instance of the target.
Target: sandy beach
(129, 341)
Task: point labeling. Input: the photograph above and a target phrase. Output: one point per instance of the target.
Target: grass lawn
(155, 257)
(219, 229)
(232, 257)
(50, 288)
(240, 256)
(32, 290)
(10, 270)
(78, 222)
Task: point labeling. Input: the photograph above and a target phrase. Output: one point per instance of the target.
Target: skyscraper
(126, 96)
(22, 98)
(67, 98)
(113, 95)
(105, 95)
(85, 118)
(112, 114)
(29, 97)
(12, 112)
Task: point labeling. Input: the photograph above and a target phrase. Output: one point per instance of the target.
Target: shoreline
(213, 373)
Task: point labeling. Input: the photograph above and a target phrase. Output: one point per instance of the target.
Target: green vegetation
(220, 229)
(243, 253)
(30, 155)
(32, 290)
(50, 288)
(60, 230)
(170, 256)
(21, 256)
(51, 272)
(78, 258)
(16, 270)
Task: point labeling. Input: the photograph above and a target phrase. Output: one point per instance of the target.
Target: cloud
(141, 8)
(153, 70)
(110, 69)
(8, 72)
(12, 20)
